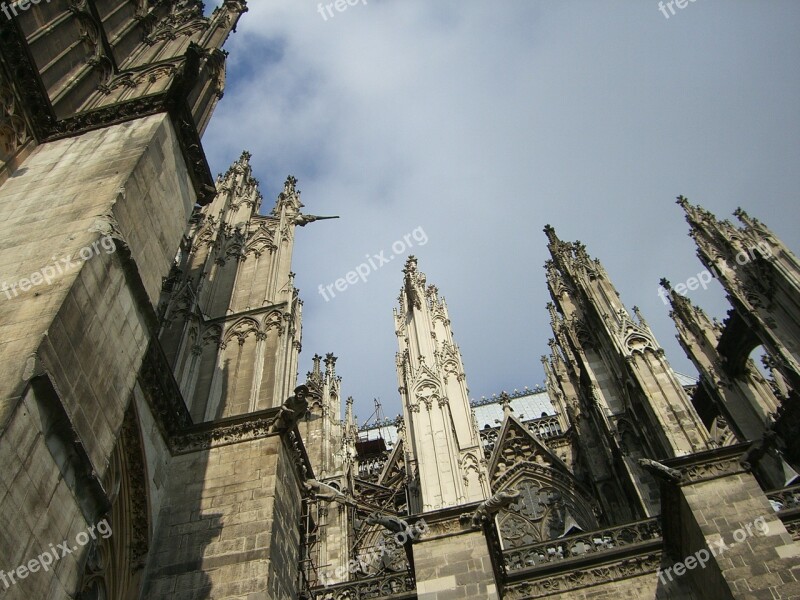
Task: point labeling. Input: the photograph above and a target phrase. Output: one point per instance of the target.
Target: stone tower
(102, 105)
(440, 432)
(762, 280)
(231, 331)
(330, 450)
(609, 373)
(231, 316)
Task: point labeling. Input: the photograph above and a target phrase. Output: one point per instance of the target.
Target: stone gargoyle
(489, 507)
(292, 410)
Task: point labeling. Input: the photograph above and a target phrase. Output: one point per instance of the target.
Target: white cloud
(482, 122)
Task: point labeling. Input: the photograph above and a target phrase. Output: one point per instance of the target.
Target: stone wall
(82, 333)
(455, 566)
(753, 559)
(229, 527)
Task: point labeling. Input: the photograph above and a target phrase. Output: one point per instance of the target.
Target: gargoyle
(758, 449)
(326, 493)
(303, 220)
(291, 411)
(489, 507)
(660, 471)
(393, 524)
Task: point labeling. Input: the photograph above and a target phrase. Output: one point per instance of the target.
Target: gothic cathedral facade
(156, 440)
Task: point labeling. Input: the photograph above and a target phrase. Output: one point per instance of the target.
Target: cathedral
(158, 441)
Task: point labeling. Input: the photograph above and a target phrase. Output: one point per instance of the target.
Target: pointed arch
(116, 559)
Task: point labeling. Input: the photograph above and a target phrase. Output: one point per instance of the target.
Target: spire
(596, 327)
(222, 23)
(289, 197)
(330, 365)
(349, 413)
(314, 377)
(505, 401)
(441, 433)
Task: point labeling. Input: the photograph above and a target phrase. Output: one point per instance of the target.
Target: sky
(455, 130)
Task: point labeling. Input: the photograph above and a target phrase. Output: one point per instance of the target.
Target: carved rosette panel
(382, 556)
(14, 131)
(545, 510)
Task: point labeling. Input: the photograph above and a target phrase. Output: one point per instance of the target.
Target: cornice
(589, 575)
(46, 126)
(184, 437)
(709, 464)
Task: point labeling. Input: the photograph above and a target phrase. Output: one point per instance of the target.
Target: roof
(526, 405)
(531, 405)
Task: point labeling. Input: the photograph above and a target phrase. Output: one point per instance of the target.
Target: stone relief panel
(546, 510)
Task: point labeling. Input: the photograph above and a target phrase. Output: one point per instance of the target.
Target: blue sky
(482, 122)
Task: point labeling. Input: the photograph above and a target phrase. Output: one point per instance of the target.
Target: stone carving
(368, 589)
(592, 542)
(712, 470)
(785, 499)
(292, 410)
(660, 471)
(445, 527)
(116, 561)
(326, 493)
(487, 508)
(221, 435)
(303, 220)
(393, 524)
(573, 580)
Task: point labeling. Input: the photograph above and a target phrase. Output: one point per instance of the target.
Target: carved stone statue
(393, 524)
(303, 220)
(660, 471)
(326, 493)
(489, 507)
(292, 410)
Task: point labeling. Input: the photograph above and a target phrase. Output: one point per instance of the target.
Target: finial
(330, 363)
(664, 283)
(317, 358)
(550, 232)
(744, 218)
(290, 186)
(505, 400)
(411, 264)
